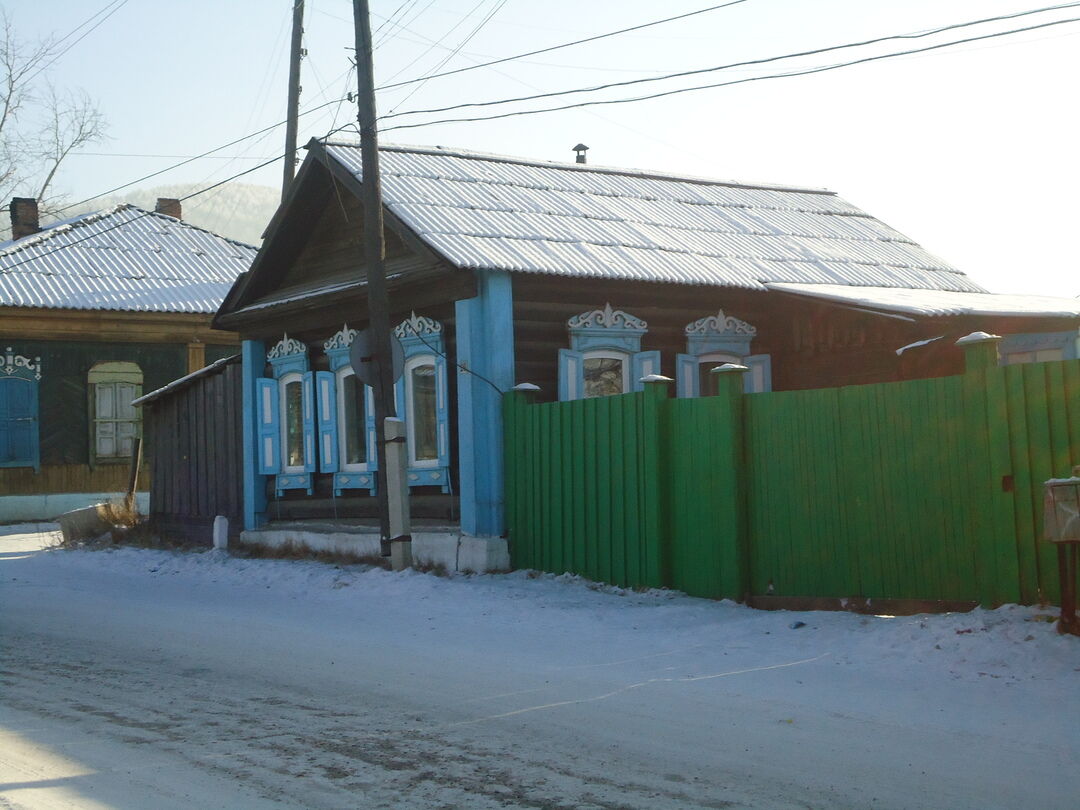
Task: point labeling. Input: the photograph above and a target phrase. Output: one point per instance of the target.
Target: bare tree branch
(39, 128)
(74, 121)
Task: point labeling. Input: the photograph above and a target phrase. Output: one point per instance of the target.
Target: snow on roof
(494, 212)
(937, 303)
(123, 258)
(185, 381)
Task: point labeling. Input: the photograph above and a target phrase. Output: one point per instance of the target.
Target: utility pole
(374, 253)
(293, 112)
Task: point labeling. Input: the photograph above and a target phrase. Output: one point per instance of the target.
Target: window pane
(603, 376)
(294, 425)
(352, 392)
(708, 382)
(125, 393)
(423, 413)
(1049, 355)
(105, 404)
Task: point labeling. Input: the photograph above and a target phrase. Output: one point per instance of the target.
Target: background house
(93, 311)
(579, 279)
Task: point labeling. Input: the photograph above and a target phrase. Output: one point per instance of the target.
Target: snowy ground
(144, 679)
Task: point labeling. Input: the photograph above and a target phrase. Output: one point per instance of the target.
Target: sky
(968, 150)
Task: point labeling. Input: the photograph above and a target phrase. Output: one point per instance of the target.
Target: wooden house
(578, 279)
(93, 311)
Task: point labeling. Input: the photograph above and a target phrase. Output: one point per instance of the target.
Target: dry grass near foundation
(301, 551)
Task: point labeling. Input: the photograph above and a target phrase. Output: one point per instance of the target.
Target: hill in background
(237, 210)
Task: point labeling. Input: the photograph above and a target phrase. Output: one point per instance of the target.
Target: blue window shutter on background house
(19, 424)
(326, 416)
(687, 381)
(571, 375)
(308, 379)
(269, 426)
(442, 411)
(369, 427)
(759, 378)
(642, 364)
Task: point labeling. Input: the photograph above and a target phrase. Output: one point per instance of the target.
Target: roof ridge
(82, 220)
(644, 174)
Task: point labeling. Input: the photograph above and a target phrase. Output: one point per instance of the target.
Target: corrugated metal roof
(937, 303)
(494, 212)
(124, 258)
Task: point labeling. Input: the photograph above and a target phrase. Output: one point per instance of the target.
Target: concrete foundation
(17, 508)
(449, 549)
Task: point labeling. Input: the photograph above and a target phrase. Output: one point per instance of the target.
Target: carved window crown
(606, 328)
(607, 318)
(15, 365)
(719, 333)
(417, 325)
(720, 324)
(341, 339)
(286, 347)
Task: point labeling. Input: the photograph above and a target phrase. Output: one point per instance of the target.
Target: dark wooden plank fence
(193, 435)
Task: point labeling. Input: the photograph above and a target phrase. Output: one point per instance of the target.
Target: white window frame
(283, 381)
(361, 466)
(112, 375)
(607, 354)
(410, 423)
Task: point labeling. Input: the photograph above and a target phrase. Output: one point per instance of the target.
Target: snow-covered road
(145, 679)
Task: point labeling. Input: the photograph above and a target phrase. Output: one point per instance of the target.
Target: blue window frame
(1039, 347)
(713, 341)
(605, 356)
(19, 435)
(420, 396)
(285, 413)
(347, 419)
(422, 401)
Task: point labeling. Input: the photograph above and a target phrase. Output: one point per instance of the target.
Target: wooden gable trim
(277, 252)
(273, 252)
(35, 323)
(406, 294)
(390, 219)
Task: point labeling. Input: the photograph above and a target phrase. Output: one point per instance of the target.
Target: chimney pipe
(24, 217)
(581, 149)
(169, 206)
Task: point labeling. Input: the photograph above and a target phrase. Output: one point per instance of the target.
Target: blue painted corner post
(485, 344)
(253, 359)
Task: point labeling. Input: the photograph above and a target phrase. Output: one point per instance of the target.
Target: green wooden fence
(927, 489)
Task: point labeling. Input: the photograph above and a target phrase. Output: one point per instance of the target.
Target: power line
(84, 35)
(564, 45)
(751, 62)
(735, 81)
(446, 59)
(145, 214)
(196, 157)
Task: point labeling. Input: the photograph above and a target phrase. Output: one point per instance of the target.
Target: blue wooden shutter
(643, 364)
(759, 378)
(571, 375)
(308, 413)
(269, 426)
(19, 424)
(442, 412)
(687, 376)
(369, 427)
(326, 417)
